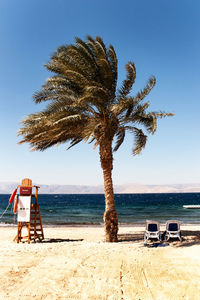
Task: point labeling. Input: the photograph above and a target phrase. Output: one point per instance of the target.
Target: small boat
(191, 206)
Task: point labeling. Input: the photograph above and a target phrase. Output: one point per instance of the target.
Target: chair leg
(180, 238)
(146, 237)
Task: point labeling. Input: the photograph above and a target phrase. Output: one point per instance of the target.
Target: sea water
(77, 209)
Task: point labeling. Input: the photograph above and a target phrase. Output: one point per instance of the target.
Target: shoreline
(97, 225)
(138, 226)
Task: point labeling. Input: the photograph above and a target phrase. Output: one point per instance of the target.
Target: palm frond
(143, 93)
(162, 114)
(124, 105)
(129, 81)
(97, 47)
(69, 70)
(148, 121)
(113, 63)
(140, 140)
(68, 119)
(84, 48)
(74, 142)
(66, 95)
(120, 135)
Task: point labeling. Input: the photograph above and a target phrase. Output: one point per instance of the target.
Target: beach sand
(76, 263)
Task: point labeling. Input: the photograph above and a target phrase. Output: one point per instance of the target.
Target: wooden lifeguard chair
(28, 213)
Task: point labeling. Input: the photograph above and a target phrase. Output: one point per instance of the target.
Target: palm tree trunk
(110, 215)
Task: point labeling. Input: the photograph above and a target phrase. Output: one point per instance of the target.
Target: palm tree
(85, 105)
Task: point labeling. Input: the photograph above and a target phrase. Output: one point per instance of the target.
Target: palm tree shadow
(131, 237)
(59, 240)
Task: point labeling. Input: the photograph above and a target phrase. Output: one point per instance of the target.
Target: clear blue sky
(161, 37)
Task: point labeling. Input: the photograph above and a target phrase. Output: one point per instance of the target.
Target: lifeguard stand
(28, 212)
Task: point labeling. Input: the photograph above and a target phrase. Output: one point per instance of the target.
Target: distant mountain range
(8, 187)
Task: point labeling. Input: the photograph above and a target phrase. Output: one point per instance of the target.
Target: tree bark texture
(110, 215)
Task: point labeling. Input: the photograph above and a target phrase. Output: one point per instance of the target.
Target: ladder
(36, 229)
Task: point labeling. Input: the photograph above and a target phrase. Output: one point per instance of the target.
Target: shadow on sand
(129, 237)
(60, 240)
(189, 237)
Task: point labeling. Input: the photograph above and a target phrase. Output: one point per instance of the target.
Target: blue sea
(89, 209)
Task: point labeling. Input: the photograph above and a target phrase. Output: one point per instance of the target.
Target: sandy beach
(76, 263)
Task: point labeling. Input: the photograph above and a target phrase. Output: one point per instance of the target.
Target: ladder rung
(35, 228)
(39, 234)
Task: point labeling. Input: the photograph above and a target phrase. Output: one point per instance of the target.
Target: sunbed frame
(170, 232)
(152, 230)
